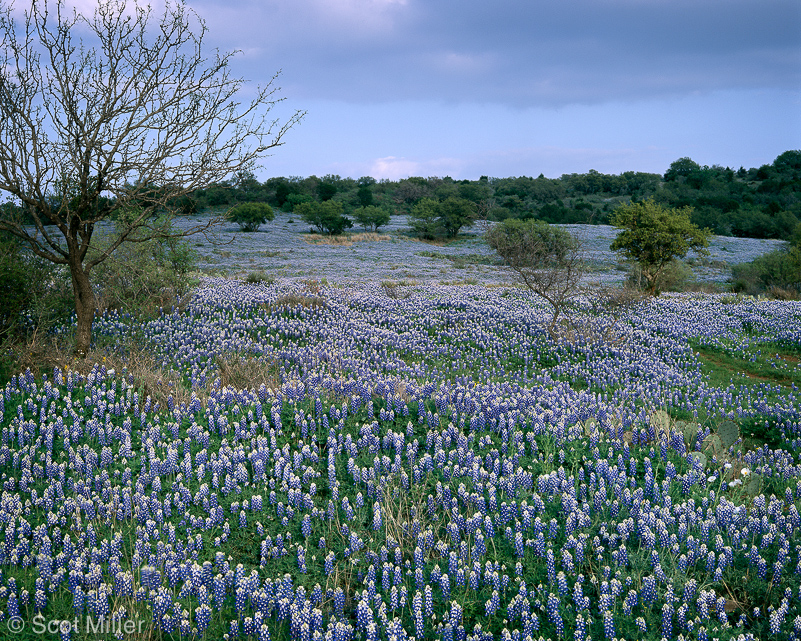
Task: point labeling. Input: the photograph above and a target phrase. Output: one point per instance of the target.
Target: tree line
(763, 202)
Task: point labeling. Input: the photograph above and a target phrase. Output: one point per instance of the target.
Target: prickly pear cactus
(590, 425)
(700, 457)
(753, 485)
(661, 422)
(728, 433)
(713, 445)
(690, 431)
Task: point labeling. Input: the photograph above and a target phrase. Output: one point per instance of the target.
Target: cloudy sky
(520, 87)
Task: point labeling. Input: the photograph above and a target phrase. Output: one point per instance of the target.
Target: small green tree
(653, 235)
(371, 217)
(432, 218)
(326, 217)
(250, 216)
(546, 259)
(455, 213)
(424, 219)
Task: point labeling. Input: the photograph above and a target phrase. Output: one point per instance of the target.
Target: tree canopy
(653, 236)
(250, 216)
(546, 259)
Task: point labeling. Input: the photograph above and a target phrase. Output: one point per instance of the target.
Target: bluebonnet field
(279, 248)
(430, 463)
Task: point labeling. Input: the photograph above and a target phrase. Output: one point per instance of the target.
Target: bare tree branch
(116, 116)
(545, 259)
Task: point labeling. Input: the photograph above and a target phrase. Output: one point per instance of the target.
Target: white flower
(727, 466)
(711, 479)
(735, 483)
(745, 471)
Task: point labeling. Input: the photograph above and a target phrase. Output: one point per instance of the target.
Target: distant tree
(246, 186)
(282, 192)
(410, 190)
(371, 217)
(365, 195)
(789, 164)
(293, 200)
(653, 236)
(109, 113)
(250, 216)
(326, 190)
(546, 259)
(326, 217)
(218, 194)
(424, 219)
(455, 213)
(682, 168)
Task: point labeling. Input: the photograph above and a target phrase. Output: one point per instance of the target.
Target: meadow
(366, 461)
(283, 249)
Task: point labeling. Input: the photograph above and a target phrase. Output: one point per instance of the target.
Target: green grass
(766, 362)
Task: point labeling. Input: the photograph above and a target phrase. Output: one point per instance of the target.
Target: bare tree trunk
(84, 308)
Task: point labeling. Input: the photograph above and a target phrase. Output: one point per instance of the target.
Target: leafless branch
(105, 116)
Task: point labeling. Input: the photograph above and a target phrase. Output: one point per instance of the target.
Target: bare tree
(546, 259)
(116, 116)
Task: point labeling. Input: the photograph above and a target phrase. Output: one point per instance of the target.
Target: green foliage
(455, 213)
(293, 200)
(653, 236)
(432, 219)
(777, 270)
(531, 243)
(424, 219)
(677, 276)
(545, 258)
(371, 217)
(365, 195)
(250, 216)
(218, 195)
(326, 190)
(755, 203)
(326, 216)
(14, 296)
(260, 276)
(34, 293)
(140, 277)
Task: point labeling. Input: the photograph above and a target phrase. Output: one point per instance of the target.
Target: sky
(394, 88)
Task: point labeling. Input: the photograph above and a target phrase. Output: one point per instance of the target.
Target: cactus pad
(661, 421)
(728, 433)
(713, 443)
(589, 425)
(700, 457)
(752, 486)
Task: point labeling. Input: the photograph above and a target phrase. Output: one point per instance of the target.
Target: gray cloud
(519, 53)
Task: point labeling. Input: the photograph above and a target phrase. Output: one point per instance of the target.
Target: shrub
(326, 217)
(654, 236)
(260, 277)
(676, 276)
(545, 259)
(371, 217)
(432, 219)
(34, 294)
(139, 278)
(250, 216)
(778, 270)
(293, 200)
